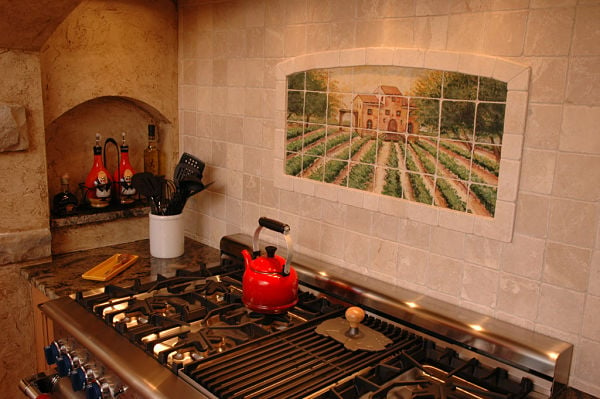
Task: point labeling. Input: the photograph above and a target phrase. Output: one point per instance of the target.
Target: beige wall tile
(412, 265)
(342, 35)
(444, 275)
(504, 33)
(552, 3)
(573, 222)
(251, 188)
(399, 8)
(457, 221)
(447, 242)
(591, 322)
(356, 248)
(358, 219)
(414, 233)
(524, 257)
(269, 195)
(543, 126)
(552, 298)
(586, 37)
(566, 266)
(310, 206)
(537, 171)
(479, 285)
(568, 182)
(583, 81)
(579, 129)
(368, 33)
(548, 80)
(317, 38)
(332, 241)
(274, 38)
(518, 296)
(512, 146)
(508, 179)
(383, 257)
(482, 251)
(319, 10)
(465, 32)
(549, 31)
(431, 32)
(385, 226)
(516, 112)
(594, 282)
(532, 215)
(431, 7)
(509, 4)
(586, 363)
(309, 233)
(398, 32)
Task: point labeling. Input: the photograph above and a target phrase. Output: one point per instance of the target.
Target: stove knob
(93, 390)
(107, 391)
(64, 364)
(51, 352)
(78, 379)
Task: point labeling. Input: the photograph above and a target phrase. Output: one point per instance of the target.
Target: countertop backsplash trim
(516, 76)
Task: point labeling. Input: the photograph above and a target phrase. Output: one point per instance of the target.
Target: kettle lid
(270, 263)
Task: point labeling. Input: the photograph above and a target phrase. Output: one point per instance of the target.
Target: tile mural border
(517, 76)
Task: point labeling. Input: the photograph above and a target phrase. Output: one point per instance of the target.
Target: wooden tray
(110, 267)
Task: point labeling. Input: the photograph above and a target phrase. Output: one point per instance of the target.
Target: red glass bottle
(98, 182)
(123, 175)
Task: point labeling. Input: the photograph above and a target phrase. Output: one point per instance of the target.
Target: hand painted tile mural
(422, 135)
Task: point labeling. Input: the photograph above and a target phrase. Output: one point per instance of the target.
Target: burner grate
(291, 364)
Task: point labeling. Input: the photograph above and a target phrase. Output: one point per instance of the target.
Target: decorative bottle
(123, 175)
(98, 182)
(151, 152)
(65, 202)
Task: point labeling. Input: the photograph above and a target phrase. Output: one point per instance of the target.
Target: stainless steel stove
(190, 336)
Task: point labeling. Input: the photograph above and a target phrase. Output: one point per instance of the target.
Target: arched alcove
(71, 136)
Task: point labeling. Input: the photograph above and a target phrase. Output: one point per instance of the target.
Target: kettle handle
(277, 227)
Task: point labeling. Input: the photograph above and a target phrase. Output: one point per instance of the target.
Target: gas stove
(191, 336)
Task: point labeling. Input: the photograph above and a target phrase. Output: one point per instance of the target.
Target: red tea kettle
(269, 284)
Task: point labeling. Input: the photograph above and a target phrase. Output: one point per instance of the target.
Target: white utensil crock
(166, 236)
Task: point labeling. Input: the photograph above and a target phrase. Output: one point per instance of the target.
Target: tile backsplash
(423, 135)
(536, 263)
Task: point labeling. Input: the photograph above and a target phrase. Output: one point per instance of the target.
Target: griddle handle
(274, 225)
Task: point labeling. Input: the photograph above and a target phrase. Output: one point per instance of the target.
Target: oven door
(48, 386)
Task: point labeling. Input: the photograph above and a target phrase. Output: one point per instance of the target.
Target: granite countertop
(62, 276)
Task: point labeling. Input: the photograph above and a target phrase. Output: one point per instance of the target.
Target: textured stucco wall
(113, 48)
(23, 187)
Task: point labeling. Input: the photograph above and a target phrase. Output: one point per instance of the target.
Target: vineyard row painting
(422, 135)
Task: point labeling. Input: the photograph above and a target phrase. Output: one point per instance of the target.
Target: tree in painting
(308, 96)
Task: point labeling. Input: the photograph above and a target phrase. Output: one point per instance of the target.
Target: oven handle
(60, 387)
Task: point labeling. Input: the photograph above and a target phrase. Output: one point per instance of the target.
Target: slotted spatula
(188, 165)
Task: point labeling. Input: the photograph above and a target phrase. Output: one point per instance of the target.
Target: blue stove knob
(78, 379)
(64, 365)
(93, 390)
(51, 352)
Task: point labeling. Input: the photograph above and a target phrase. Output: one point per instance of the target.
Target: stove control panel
(87, 375)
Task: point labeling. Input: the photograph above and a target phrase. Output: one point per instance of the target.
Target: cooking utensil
(351, 333)
(269, 283)
(188, 165)
(149, 186)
